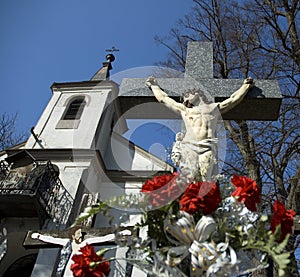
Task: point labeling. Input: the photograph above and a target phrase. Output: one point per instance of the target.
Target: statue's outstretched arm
(236, 97)
(162, 97)
(101, 239)
(105, 238)
(49, 239)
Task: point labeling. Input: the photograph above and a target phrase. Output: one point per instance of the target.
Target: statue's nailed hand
(249, 81)
(35, 235)
(151, 82)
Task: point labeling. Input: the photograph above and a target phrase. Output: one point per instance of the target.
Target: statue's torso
(201, 121)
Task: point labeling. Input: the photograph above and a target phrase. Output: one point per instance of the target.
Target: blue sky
(65, 40)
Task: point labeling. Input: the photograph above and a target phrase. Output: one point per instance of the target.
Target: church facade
(76, 156)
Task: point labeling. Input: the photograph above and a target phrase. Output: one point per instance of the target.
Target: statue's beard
(188, 104)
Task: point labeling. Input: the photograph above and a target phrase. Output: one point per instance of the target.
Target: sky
(49, 41)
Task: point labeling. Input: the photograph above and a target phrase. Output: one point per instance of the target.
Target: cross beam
(262, 102)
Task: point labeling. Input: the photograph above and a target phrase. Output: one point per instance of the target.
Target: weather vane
(113, 49)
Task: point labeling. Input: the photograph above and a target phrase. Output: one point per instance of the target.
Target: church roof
(101, 77)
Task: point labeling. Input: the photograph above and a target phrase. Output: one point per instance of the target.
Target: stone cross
(262, 102)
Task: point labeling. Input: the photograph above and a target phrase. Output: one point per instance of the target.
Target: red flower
(161, 189)
(283, 217)
(247, 191)
(81, 266)
(205, 196)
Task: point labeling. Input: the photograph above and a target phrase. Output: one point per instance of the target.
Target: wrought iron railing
(4, 170)
(42, 182)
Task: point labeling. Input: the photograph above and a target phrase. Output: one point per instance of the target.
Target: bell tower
(73, 113)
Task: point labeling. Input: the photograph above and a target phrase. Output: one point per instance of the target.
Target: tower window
(75, 109)
(71, 116)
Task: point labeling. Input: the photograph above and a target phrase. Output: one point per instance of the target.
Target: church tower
(73, 113)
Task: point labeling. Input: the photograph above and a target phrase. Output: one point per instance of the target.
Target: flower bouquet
(203, 228)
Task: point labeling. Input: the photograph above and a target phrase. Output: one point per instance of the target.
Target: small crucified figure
(200, 116)
(72, 246)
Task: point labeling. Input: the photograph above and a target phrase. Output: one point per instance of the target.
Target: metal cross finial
(113, 49)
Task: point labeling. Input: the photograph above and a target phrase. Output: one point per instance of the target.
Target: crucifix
(71, 240)
(197, 147)
(113, 49)
(233, 99)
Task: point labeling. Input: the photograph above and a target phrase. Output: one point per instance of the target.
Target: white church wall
(81, 137)
(43, 119)
(119, 155)
(103, 135)
(124, 155)
(146, 161)
(70, 174)
(123, 216)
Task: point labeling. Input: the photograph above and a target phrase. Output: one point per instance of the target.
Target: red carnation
(283, 217)
(205, 196)
(161, 189)
(82, 263)
(247, 191)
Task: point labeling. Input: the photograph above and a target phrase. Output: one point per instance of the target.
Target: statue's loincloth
(202, 146)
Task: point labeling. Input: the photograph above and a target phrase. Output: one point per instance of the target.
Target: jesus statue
(199, 144)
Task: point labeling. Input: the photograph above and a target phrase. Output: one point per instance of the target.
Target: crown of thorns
(194, 91)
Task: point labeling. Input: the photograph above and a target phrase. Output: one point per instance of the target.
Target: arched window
(21, 267)
(75, 109)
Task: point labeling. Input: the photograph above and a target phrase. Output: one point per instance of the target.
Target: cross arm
(262, 102)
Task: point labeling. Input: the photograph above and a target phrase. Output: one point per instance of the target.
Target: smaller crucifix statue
(196, 150)
(72, 245)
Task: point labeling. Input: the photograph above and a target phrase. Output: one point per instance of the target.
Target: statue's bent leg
(189, 159)
(207, 165)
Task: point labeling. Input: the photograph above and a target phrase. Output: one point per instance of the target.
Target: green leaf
(101, 252)
(268, 243)
(280, 247)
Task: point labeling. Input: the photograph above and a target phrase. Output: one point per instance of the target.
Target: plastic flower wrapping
(202, 228)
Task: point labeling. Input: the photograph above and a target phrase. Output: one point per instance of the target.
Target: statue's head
(76, 234)
(194, 97)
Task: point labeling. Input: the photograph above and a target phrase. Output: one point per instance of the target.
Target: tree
(258, 39)
(8, 134)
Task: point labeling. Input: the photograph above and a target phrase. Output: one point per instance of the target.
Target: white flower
(185, 231)
(211, 258)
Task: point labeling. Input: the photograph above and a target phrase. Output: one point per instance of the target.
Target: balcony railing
(39, 182)
(4, 170)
